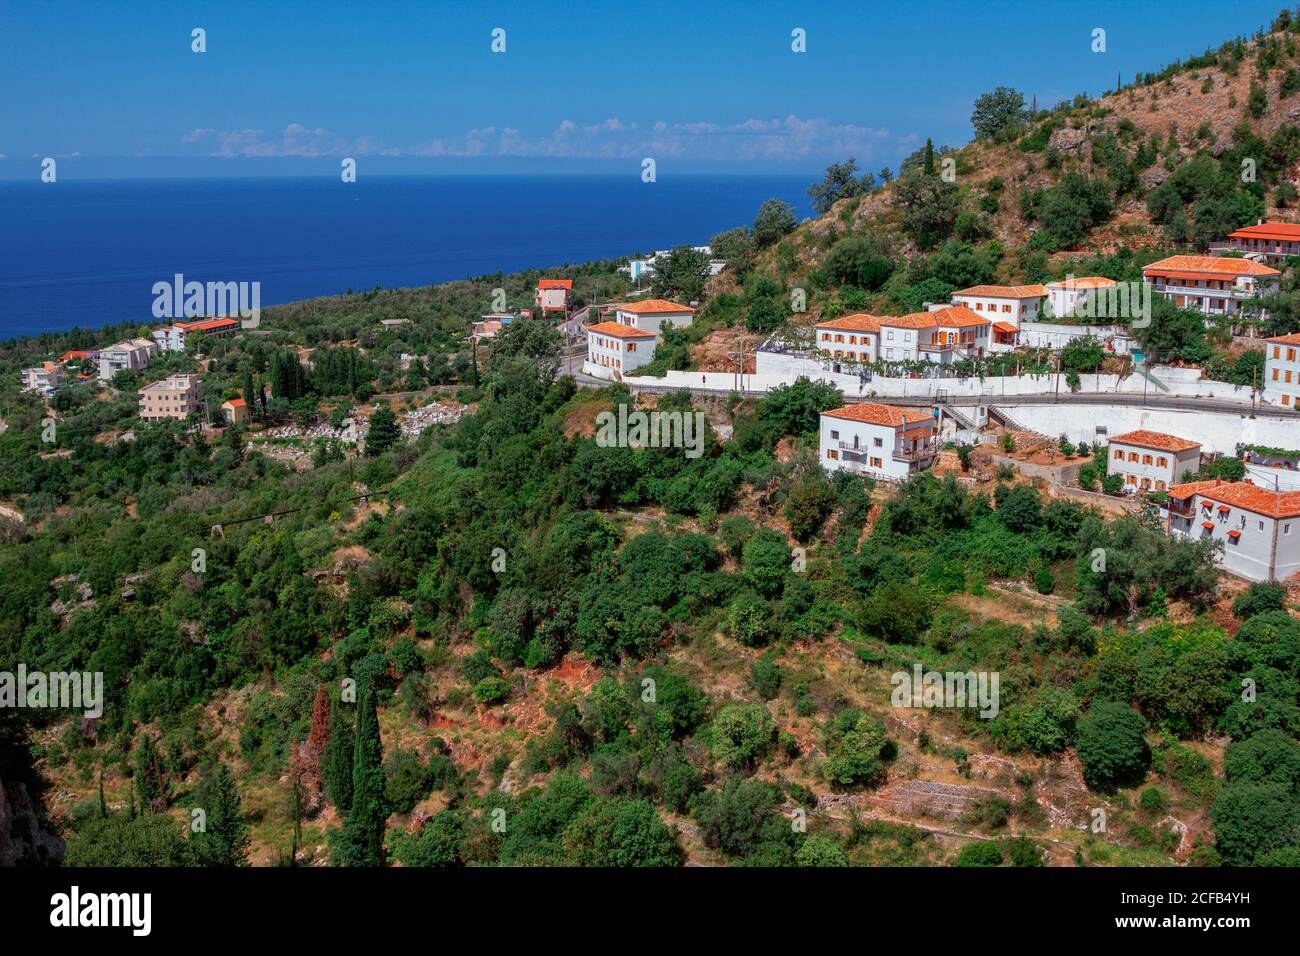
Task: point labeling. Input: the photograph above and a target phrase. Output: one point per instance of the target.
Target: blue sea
(88, 253)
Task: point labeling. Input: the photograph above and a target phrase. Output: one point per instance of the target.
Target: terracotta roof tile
(1083, 282)
(1287, 231)
(620, 331)
(651, 306)
(1148, 439)
(1244, 495)
(1211, 265)
(874, 414)
(858, 322)
(1005, 291)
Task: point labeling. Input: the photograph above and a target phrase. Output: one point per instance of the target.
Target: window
(631, 346)
(1162, 461)
(1132, 456)
(853, 340)
(1146, 459)
(1119, 456)
(1130, 480)
(835, 436)
(878, 443)
(832, 453)
(1275, 375)
(1277, 351)
(1006, 308)
(877, 463)
(1290, 355)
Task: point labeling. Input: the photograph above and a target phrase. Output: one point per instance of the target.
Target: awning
(1224, 508)
(1006, 327)
(1208, 525)
(1234, 533)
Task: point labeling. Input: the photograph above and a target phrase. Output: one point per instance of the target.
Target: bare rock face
(1153, 177)
(1069, 140)
(24, 839)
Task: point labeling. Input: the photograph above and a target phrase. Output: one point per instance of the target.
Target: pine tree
(224, 839)
(928, 166)
(338, 761)
(362, 840)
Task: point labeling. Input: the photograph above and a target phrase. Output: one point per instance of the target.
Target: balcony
(915, 451)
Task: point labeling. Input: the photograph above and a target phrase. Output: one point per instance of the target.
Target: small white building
(1282, 370)
(1071, 294)
(1259, 528)
(884, 441)
(43, 378)
(1267, 241)
(653, 314)
(1214, 285)
(129, 354)
(849, 340)
(614, 349)
(1152, 461)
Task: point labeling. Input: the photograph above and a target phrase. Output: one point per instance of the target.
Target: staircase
(999, 415)
(1141, 370)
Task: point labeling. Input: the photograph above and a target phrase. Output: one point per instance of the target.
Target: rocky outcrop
(25, 839)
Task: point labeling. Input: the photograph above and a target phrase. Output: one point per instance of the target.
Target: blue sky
(114, 89)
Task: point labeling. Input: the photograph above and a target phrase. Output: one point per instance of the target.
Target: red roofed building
(850, 338)
(942, 335)
(1282, 370)
(1213, 284)
(884, 441)
(554, 295)
(171, 338)
(614, 348)
(651, 315)
(1259, 529)
(1270, 241)
(1152, 461)
(1006, 306)
(236, 411)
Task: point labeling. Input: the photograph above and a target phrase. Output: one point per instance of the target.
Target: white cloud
(295, 140)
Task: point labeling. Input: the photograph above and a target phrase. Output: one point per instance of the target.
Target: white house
(1152, 461)
(1072, 292)
(129, 354)
(614, 349)
(849, 339)
(1282, 370)
(653, 314)
(1215, 285)
(44, 378)
(1260, 529)
(941, 336)
(1269, 241)
(883, 441)
(1006, 306)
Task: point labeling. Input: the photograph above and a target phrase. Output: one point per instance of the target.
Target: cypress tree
(928, 167)
(224, 841)
(103, 805)
(362, 841)
(337, 762)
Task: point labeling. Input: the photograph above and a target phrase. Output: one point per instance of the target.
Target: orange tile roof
(1083, 282)
(73, 354)
(872, 413)
(619, 331)
(958, 316)
(207, 325)
(1158, 440)
(1212, 265)
(1292, 339)
(1242, 494)
(858, 322)
(555, 283)
(1269, 230)
(1005, 291)
(651, 306)
(1005, 327)
(235, 402)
